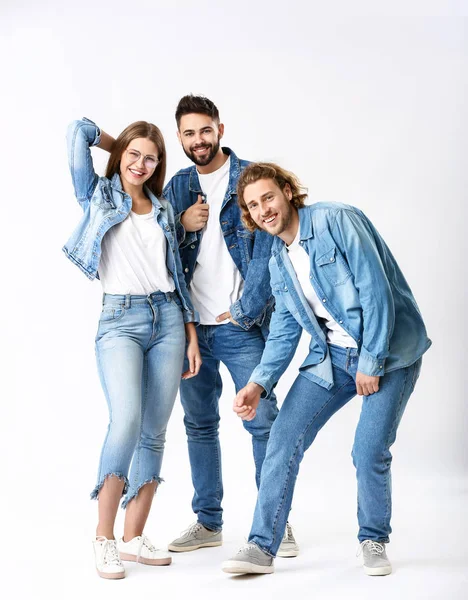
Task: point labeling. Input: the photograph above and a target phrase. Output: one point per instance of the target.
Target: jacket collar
(305, 228)
(234, 172)
(116, 184)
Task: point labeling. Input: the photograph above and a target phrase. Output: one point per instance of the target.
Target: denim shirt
(105, 203)
(355, 275)
(250, 251)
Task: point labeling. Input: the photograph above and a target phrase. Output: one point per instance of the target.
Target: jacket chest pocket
(103, 198)
(333, 266)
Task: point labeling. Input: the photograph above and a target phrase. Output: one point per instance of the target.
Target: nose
(140, 162)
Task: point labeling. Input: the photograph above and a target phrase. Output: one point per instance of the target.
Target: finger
(199, 199)
(223, 316)
(245, 416)
(359, 389)
(251, 415)
(240, 409)
(376, 386)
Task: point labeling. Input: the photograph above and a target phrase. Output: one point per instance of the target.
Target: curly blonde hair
(256, 171)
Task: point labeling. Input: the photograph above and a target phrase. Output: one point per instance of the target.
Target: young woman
(128, 234)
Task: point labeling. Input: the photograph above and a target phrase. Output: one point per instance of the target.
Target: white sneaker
(108, 563)
(289, 547)
(140, 549)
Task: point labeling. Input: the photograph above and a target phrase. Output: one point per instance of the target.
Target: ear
(220, 130)
(287, 191)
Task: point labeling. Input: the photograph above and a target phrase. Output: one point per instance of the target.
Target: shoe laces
(246, 547)
(374, 547)
(288, 532)
(192, 529)
(111, 554)
(144, 541)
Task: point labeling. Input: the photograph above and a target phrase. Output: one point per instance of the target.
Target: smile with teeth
(201, 149)
(136, 173)
(270, 219)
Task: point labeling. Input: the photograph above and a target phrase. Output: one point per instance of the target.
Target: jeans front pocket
(111, 313)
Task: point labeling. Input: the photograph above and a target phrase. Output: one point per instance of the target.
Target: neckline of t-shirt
(295, 243)
(220, 171)
(145, 215)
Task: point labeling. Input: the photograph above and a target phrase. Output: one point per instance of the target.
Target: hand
(193, 352)
(366, 385)
(226, 315)
(194, 360)
(195, 217)
(247, 400)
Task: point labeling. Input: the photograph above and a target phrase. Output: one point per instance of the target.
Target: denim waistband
(348, 352)
(128, 299)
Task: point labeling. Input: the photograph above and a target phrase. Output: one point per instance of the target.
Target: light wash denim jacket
(105, 204)
(355, 275)
(250, 251)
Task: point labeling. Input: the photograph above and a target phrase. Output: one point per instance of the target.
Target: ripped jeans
(140, 346)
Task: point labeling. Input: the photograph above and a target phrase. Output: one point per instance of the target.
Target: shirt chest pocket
(332, 265)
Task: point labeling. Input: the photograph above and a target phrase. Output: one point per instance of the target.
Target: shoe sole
(154, 562)
(246, 568)
(288, 553)
(110, 575)
(190, 548)
(377, 570)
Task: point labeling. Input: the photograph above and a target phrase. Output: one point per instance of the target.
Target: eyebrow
(261, 197)
(193, 130)
(135, 150)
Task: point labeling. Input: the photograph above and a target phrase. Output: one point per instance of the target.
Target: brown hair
(140, 129)
(256, 171)
(196, 104)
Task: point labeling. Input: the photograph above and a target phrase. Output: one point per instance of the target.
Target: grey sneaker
(196, 536)
(375, 558)
(249, 559)
(289, 546)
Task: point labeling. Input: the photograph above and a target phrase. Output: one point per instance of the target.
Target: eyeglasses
(134, 156)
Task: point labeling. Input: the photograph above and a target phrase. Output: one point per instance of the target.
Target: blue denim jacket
(354, 273)
(105, 204)
(250, 251)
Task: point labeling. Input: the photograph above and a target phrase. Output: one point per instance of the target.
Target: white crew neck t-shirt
(133, 259)
(300, 260)
(217, 282)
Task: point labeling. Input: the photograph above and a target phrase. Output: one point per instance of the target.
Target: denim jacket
(250, 251)
(355, 275)
(105, 204)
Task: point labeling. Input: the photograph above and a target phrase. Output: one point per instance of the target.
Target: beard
(203, 161)
(283, 223)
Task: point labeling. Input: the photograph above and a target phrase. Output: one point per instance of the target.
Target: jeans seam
(106, 393)
(299, 442)
(387, 478)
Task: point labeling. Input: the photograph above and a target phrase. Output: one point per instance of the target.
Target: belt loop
(103, 298)
(127, 301)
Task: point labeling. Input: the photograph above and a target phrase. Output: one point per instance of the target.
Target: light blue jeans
(140, 348)
(305, 410)
(240, 351)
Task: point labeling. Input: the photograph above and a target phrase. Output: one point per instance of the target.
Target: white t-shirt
(300, 260)
(133, 259)
(217, 282)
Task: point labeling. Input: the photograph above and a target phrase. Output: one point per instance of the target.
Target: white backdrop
(367, 108)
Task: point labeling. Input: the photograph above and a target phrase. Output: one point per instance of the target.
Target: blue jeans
(240, 351)
(140, 348)
(305, 410)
